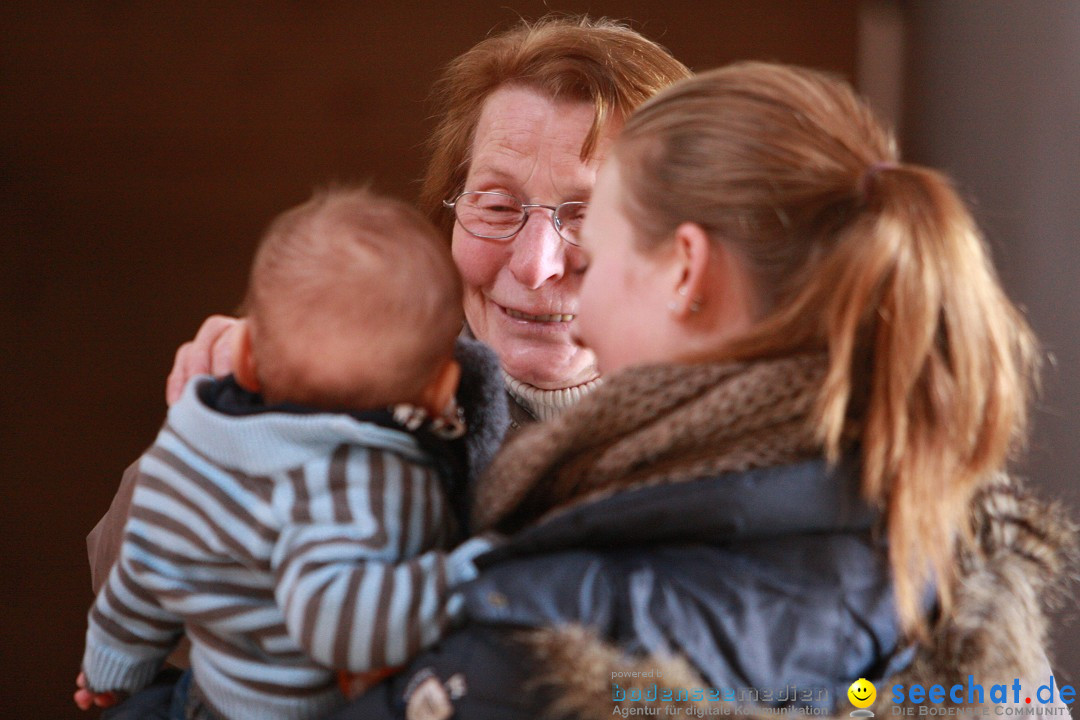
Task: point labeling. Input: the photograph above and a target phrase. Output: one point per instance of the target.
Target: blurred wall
(144, 146)
(992, 95)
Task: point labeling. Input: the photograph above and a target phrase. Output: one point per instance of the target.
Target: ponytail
(931, 368)
(918, 317)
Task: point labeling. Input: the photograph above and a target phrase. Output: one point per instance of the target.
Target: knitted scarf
(655, 424)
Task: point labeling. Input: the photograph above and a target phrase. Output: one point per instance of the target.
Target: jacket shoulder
(1019, 568)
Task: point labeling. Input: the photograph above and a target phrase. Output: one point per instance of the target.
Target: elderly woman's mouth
(549, 318)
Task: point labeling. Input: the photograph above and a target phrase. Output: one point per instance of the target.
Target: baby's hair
(354, 302)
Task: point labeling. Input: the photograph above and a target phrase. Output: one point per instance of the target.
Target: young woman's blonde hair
(877, 262)
(600, 62)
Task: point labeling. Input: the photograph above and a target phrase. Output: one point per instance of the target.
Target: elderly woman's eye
(572, 215)
(498, 205)
(569, 219)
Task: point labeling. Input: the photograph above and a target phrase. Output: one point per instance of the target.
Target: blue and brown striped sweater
(284, 544)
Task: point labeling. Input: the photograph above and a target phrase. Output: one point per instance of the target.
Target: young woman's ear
(244, 360)
(693, 254)
(712, 283)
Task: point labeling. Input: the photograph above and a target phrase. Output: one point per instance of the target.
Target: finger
(104, 700)
(81, 680)
(84, 699)
(195, 357)
(221, 354)
(211, 330)
(178, 376)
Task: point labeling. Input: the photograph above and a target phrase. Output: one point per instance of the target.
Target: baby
(284, 518)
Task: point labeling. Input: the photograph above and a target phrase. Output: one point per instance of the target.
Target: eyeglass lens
(499, 216)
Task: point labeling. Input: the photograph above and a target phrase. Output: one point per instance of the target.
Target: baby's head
(353, 303)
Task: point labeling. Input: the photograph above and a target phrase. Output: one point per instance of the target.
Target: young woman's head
(761, 210)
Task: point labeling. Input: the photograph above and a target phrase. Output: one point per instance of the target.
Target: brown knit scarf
(655, 424)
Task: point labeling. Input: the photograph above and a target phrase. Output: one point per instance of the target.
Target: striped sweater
(283, 545)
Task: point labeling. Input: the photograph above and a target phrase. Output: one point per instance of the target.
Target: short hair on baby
(353, 302)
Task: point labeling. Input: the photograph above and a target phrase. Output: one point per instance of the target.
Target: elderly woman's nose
(539, 254)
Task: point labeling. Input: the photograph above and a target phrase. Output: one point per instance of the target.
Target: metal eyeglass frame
(452, 205)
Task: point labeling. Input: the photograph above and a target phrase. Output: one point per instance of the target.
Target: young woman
(792, 476)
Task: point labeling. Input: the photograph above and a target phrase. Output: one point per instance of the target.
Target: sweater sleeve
(357, 579)
(103, 542)
(129, 633)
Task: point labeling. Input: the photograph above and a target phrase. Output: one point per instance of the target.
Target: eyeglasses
(498, 216)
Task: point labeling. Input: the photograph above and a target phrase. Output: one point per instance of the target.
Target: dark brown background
(144, 147)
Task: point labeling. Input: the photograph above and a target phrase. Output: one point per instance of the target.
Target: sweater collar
(236, 429)
(538, 403)
(546, 404)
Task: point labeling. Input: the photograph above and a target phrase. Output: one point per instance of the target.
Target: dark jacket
(649, 562)
(752, 577)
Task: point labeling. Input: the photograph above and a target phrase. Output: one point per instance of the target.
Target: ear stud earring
(695, 305)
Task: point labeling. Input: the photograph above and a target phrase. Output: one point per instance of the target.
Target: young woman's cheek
(592, 311)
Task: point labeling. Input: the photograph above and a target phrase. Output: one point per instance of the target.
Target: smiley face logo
(862, 693)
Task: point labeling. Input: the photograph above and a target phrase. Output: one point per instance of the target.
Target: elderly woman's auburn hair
(596, 61)
(931, 368)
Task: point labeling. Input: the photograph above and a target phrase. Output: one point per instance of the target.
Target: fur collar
(481, 396)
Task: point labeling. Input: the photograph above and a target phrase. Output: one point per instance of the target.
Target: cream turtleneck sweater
(541, 404)
(546, 404)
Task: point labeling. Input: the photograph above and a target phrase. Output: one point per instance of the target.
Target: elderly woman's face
(521, 294)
